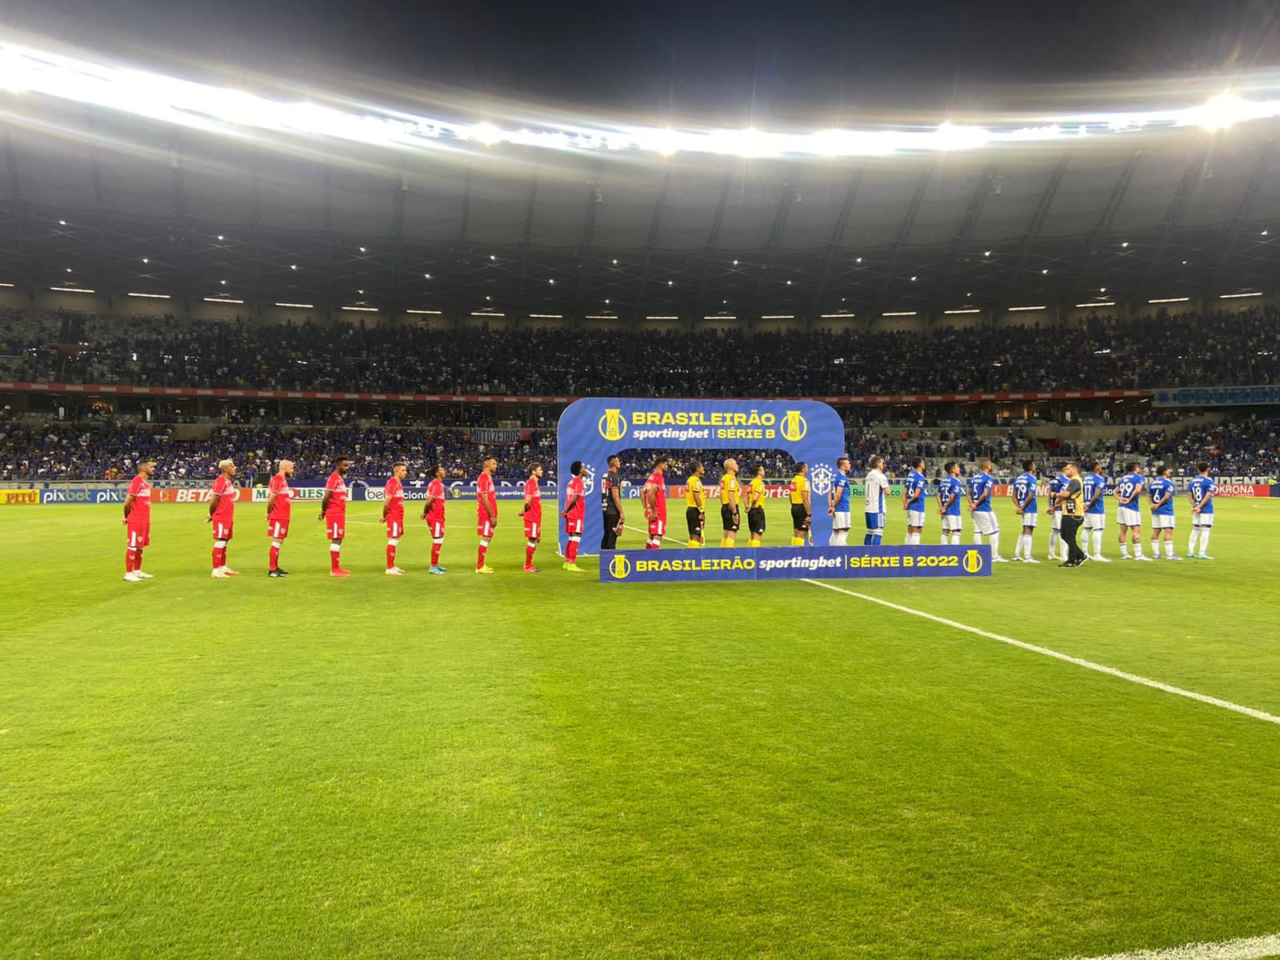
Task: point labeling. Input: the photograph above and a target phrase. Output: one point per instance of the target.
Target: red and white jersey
(394, 493)
(659, 494)
(531, 490)
(140, 512)
(338, 501)
(485, 495)
(576, 488)
(226, 493)
(435, 489)
(282, 505)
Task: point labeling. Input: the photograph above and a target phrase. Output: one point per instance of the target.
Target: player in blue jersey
(1202, 490)
(1057, 549)
(913, 501)
(1024, 504)
(985, 524)
(838, 505)
(1161, 493)
(950, 493)
(1128, 515)
(1094, 488)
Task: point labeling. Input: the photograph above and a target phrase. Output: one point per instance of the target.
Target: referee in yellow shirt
(695, 513)
(801, 507)
(755, 507)
(730, 503)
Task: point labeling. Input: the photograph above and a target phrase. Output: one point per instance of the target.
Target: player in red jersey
(279, 506)
(654, 497)
(393, 514)
(333, 511)
(532, 513)
(137, 520)
(222, 513)
(574, 513)
(486, 511)
(433, 513)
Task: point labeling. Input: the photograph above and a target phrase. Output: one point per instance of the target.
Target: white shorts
(1095, 521)
(950, 523)
(984, 522)
(915, 518)
(1162, 521)
(842, 521)
(1057, 520)
(1202, 519)
(1029, 519)
(1128, 517)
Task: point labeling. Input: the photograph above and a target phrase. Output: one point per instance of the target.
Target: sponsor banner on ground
(1217, 396)
(794, 563)
(85, 495)
(197, 494)
(26, 498)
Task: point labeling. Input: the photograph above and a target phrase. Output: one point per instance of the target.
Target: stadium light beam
(1169, 300)
(150, 296)
(1225, 296)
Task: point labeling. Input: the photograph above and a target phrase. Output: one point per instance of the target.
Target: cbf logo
(613, 425)
(620, 568)
(793, 427)
(588, 478)
(822, 475)
(972, 561)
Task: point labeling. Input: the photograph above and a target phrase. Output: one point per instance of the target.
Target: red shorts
(139, 536)
(395, 528)
(658, 527)
(436, 526)
(277, 529)
(484, 527)
(221, 531)
(532, 527)
(573, 527)
(335, 527)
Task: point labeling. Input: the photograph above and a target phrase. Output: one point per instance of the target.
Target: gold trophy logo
(620, 568)
(794, 427)
(613, 425)
(972, 561)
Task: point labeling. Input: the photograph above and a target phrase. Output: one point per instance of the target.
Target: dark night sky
(770, 62)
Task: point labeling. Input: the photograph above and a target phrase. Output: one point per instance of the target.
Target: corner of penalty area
(594, 428)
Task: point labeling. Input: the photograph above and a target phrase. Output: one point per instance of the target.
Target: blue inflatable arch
(592, 429)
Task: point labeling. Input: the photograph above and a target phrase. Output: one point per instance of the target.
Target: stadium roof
(104, 200)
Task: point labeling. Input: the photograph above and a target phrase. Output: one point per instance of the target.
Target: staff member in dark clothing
(1071, 499)
(611, 504)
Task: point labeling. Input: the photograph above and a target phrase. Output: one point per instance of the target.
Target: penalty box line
(1065, 658)
(1252, 948)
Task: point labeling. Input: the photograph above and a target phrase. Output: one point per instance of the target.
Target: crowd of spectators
(107, 450)
(1157, 351)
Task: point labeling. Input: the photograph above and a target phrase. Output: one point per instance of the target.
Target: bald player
(730, 503)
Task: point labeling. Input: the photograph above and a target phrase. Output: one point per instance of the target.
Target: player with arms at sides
(838, 505)
(486, 511)
(393, 514)
(653, 497)
(137, 520)
(1057, 550)
(433, 513)
(279, 507)
(730, 503)
(222, 514)
(950, 493)
(877, 487)
(1128, 515)
(755, 507)
(1093, 488)
(985, 524)
(695, 505)
(611, 504)
(574, 514)
(1024, 504)
(532, 513)
(333, 511)
(1201, 490)
(913, 502)
(800, 495)
(1161, 492)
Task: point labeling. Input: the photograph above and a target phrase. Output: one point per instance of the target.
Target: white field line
(1065, 658)
(1254, 948)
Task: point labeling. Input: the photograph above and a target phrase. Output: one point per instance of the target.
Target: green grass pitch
(521, 766)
